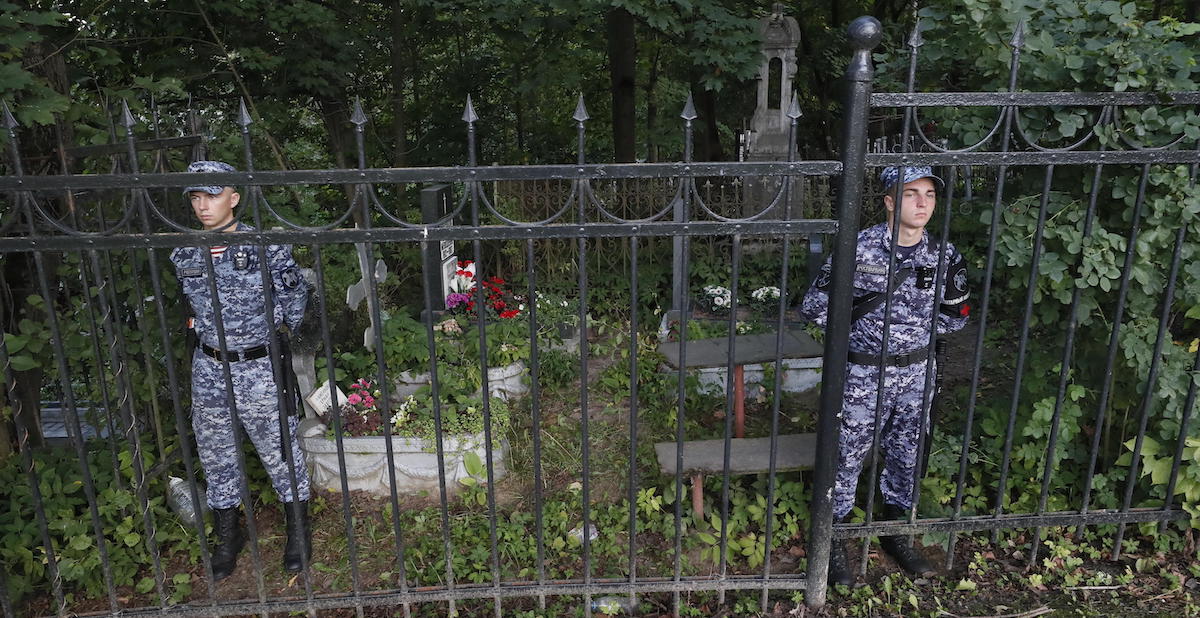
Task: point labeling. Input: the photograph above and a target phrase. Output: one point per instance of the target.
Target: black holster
(289, 386)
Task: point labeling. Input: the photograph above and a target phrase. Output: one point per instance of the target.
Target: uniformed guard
(246, 353)
(913, 310)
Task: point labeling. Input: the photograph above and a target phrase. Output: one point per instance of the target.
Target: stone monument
(767, 139)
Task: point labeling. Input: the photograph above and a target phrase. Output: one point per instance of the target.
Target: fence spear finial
(915, 39)
(358, 117)
(126, 117)
(244, 118)
(469, 116)
(1018, 37)
(10, 123)
(794, 108)
(580, 110)
(689, 109)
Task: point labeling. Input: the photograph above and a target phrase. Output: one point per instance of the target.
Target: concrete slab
(748, 349)
(746, 456)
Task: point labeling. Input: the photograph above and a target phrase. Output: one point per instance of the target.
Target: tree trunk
(622, 69)
(399, 77)
(1193, 11)
(652, 106)
(709, 144)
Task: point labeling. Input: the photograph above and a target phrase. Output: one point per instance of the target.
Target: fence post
(864, 33)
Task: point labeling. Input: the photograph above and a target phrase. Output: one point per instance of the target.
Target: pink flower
(354, 399)
(368, 400)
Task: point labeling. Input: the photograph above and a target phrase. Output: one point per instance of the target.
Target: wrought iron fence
(112, 329)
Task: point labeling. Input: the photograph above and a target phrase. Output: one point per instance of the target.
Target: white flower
(765, 294)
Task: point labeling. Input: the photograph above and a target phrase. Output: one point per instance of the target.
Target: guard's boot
(839, 564)
(905, 554)
(298, 551)
(230, 539)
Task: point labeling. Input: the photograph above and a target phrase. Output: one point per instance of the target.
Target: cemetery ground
(1156, 575)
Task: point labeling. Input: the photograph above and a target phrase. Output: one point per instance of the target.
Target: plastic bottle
(179, 498)
(613, 606)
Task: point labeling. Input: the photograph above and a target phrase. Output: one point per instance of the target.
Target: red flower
(511, 313)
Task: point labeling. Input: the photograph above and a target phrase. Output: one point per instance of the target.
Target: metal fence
(118, 344)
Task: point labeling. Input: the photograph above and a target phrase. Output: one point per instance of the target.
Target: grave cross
(360, 290)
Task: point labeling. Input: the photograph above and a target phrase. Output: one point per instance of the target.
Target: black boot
(299, 537)
(906, 555)
(230, 539)
(839, 564)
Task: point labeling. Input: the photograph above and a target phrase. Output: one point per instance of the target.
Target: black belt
(896, 360)
(234, 356)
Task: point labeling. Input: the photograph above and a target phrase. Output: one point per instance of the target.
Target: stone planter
(504, 382)
(414, 459)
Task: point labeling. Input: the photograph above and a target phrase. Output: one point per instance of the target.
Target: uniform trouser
(903, 406)
(257, 403)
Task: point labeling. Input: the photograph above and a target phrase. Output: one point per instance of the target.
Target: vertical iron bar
(535, 404)
(580, 118)
(914, 44)
(364, 192)
(185, 443)
(1068, 353)
(473, 189)
(335, 413)
(121, 375)
(1114, 337)
(278, 371)
(681, 289)
(1005, 137)
(1151, 383)
(435, 386)
(793, 114)
(932, 372)
(633, 413)
(730, 390)
(235, 420)
(864, 34)
(1022, 344)
(1186, 416)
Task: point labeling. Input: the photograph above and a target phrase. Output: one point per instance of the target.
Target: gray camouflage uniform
(239, 284)
(904, 399)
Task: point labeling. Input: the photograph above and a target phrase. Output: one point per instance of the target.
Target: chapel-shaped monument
(767, 138)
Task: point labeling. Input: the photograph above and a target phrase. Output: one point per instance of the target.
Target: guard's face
(917, 203)
(214, 211)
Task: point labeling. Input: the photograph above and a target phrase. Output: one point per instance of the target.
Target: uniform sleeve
(291, 291)
(955, 307)
(815, 305)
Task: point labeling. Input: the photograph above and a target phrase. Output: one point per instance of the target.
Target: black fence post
(865, 33)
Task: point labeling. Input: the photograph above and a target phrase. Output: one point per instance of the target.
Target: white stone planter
(504, 382)
(415, 461)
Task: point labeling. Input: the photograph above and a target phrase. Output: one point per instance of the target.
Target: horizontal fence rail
(644, 452)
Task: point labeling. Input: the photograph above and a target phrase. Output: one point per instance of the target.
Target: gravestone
(435, 206)
(767, 139)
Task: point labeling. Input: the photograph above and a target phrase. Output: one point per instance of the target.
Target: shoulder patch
(290, 278)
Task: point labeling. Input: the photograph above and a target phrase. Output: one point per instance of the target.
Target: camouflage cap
(208, 166)
(889, 175)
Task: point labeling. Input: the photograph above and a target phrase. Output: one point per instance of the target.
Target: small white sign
(447, 249)
(319, 399)
(449, 267)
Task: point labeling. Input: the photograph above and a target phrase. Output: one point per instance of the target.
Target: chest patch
(193, 271)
